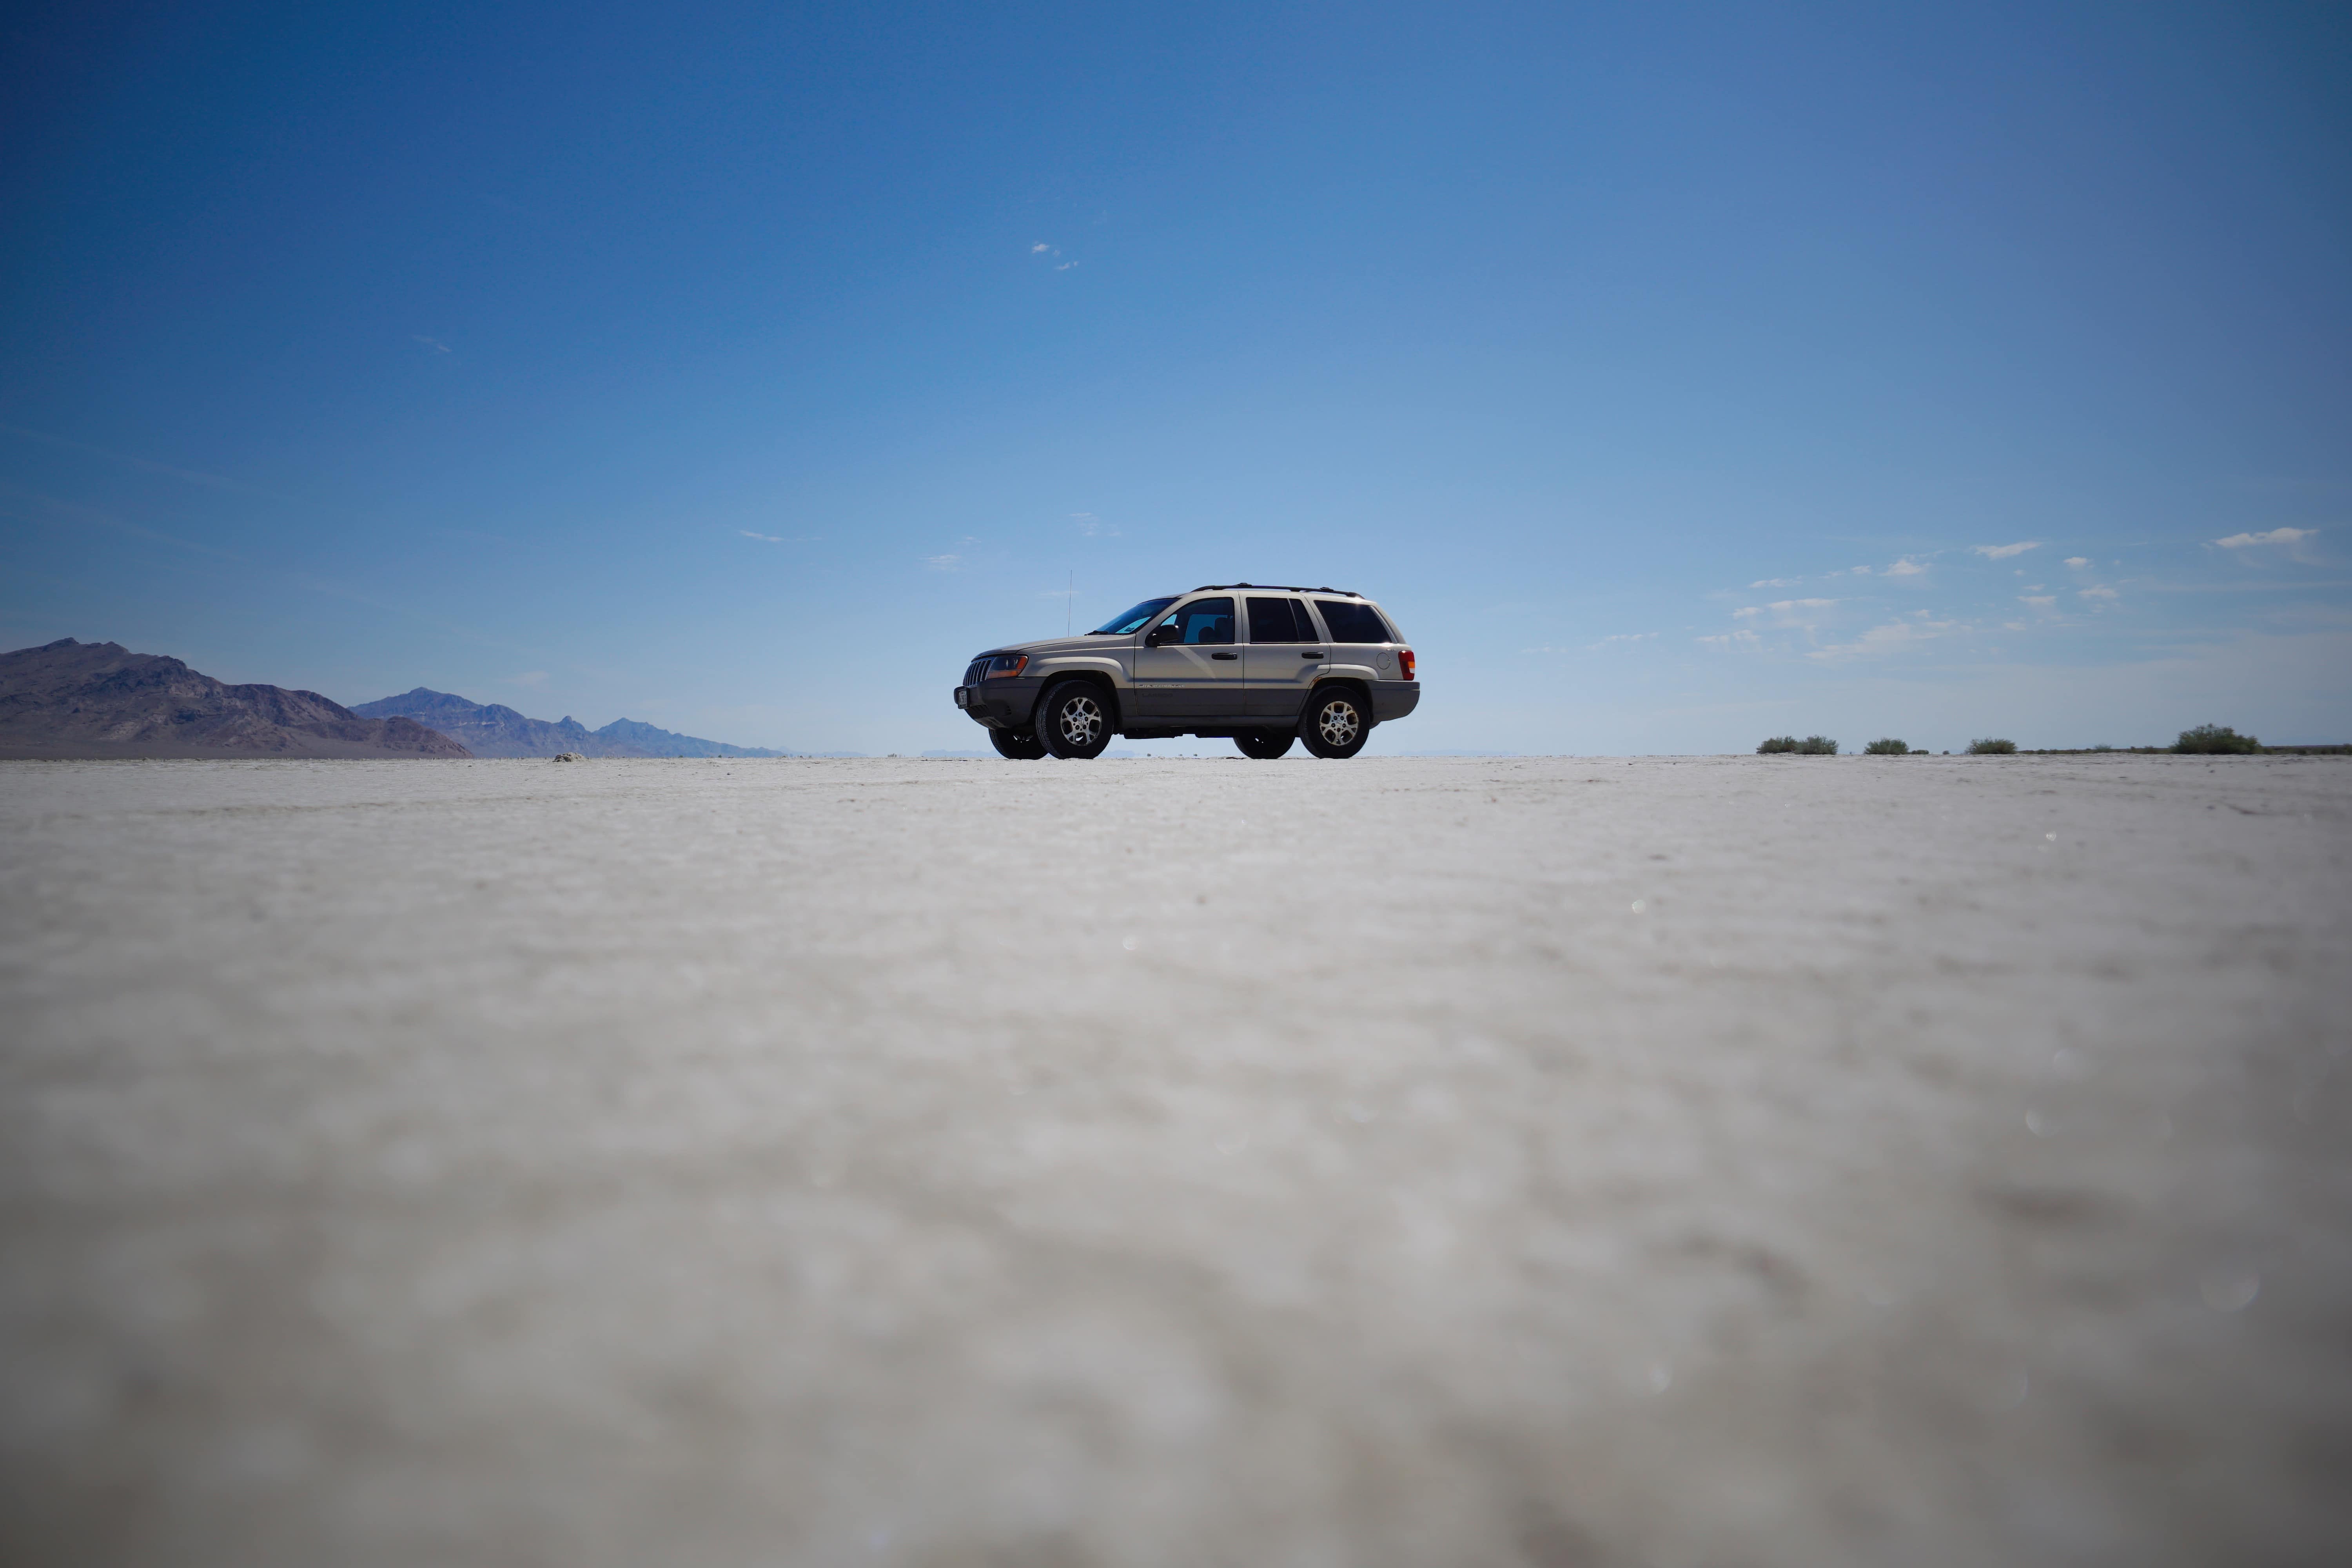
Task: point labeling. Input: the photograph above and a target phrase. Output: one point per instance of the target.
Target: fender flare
(1361, 690)
(1093, 676)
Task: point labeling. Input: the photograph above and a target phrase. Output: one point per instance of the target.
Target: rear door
(1286, 651)
(1196, 670)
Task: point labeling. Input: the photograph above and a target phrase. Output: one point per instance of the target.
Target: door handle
(1225, 656)
(1310, 656)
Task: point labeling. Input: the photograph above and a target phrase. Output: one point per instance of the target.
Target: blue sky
(1675, 375)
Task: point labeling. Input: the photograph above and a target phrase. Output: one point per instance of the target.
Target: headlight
(1007, 664)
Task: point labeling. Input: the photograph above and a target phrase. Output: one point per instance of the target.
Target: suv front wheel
(1074, 720)
(1337, 722)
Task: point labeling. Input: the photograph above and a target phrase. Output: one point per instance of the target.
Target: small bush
(1992, 748)
(1817, 746)
(1778, 743)
(2216, 738)
(1887, 748)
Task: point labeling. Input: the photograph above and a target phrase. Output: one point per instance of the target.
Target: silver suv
(1264, 665)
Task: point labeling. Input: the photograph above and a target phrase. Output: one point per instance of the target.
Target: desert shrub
(1887, 748)
(1992, 748)
(1817, 746)
(2214, 738)
(1778, 743)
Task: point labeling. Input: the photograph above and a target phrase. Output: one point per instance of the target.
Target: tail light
(1005, 665)
(1404, 661)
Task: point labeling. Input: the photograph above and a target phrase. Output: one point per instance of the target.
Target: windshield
(1127, 621)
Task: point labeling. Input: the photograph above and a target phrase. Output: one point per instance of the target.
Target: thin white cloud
(2078, 562)
(2004, 552)
(2276, 536)
(1040, 248)
(1907, 567)
(1743, 638)
(1777, 583)
(2099, 593)
(1894, 637)
(1859, 571)
(191, 475)
(1065, 267)
(2039, 601)
(780, 539)
(436, 344)
(1092, 526)
(944, 562)
(1801, 612)
(770, 538)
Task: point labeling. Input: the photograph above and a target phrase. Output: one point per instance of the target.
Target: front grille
(978, 672)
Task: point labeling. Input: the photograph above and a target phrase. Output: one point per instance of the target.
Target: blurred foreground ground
(1435, 1163)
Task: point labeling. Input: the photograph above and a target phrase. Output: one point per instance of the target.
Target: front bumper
(999, 704)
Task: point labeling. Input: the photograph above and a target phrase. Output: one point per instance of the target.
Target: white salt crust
(1770, 1161)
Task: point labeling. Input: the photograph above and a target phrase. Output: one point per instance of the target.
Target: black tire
(1263, 745)
(1074, 720)
(1337, 722)
(1020, 745)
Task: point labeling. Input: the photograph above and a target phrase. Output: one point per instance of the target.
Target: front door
(1196, 670)
(1284, 654)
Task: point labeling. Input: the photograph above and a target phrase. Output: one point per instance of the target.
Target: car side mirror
(1151, 637)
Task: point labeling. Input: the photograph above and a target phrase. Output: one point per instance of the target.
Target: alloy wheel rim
(1079, 719)
(1338, 723)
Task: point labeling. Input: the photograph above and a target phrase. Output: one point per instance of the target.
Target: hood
(1040, 647)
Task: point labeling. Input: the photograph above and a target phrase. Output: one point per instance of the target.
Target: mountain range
(489, 730)
(73, 699)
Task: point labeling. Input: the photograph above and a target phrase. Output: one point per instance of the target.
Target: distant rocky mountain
(670, 743)
(99, 699)
(489, 730)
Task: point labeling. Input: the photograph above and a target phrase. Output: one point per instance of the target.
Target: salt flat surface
(1765, 1161)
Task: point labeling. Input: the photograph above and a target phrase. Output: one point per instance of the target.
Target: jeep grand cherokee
(1261, 665)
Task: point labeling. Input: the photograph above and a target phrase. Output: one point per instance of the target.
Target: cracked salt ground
(794, 1163)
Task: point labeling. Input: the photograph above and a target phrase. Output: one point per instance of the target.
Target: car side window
(1202, 621)
(1353, 621)
(1278, 620)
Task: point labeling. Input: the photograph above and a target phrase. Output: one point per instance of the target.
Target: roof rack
(1277, 588)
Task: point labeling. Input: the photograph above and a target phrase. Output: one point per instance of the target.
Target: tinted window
(1353, 623)
(1132, 620)
(1202, 621)
(1277, 620)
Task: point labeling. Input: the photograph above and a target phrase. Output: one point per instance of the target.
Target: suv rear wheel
(1074, 720)
(1020, 745)
(1263, 745)
(1337, 722)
